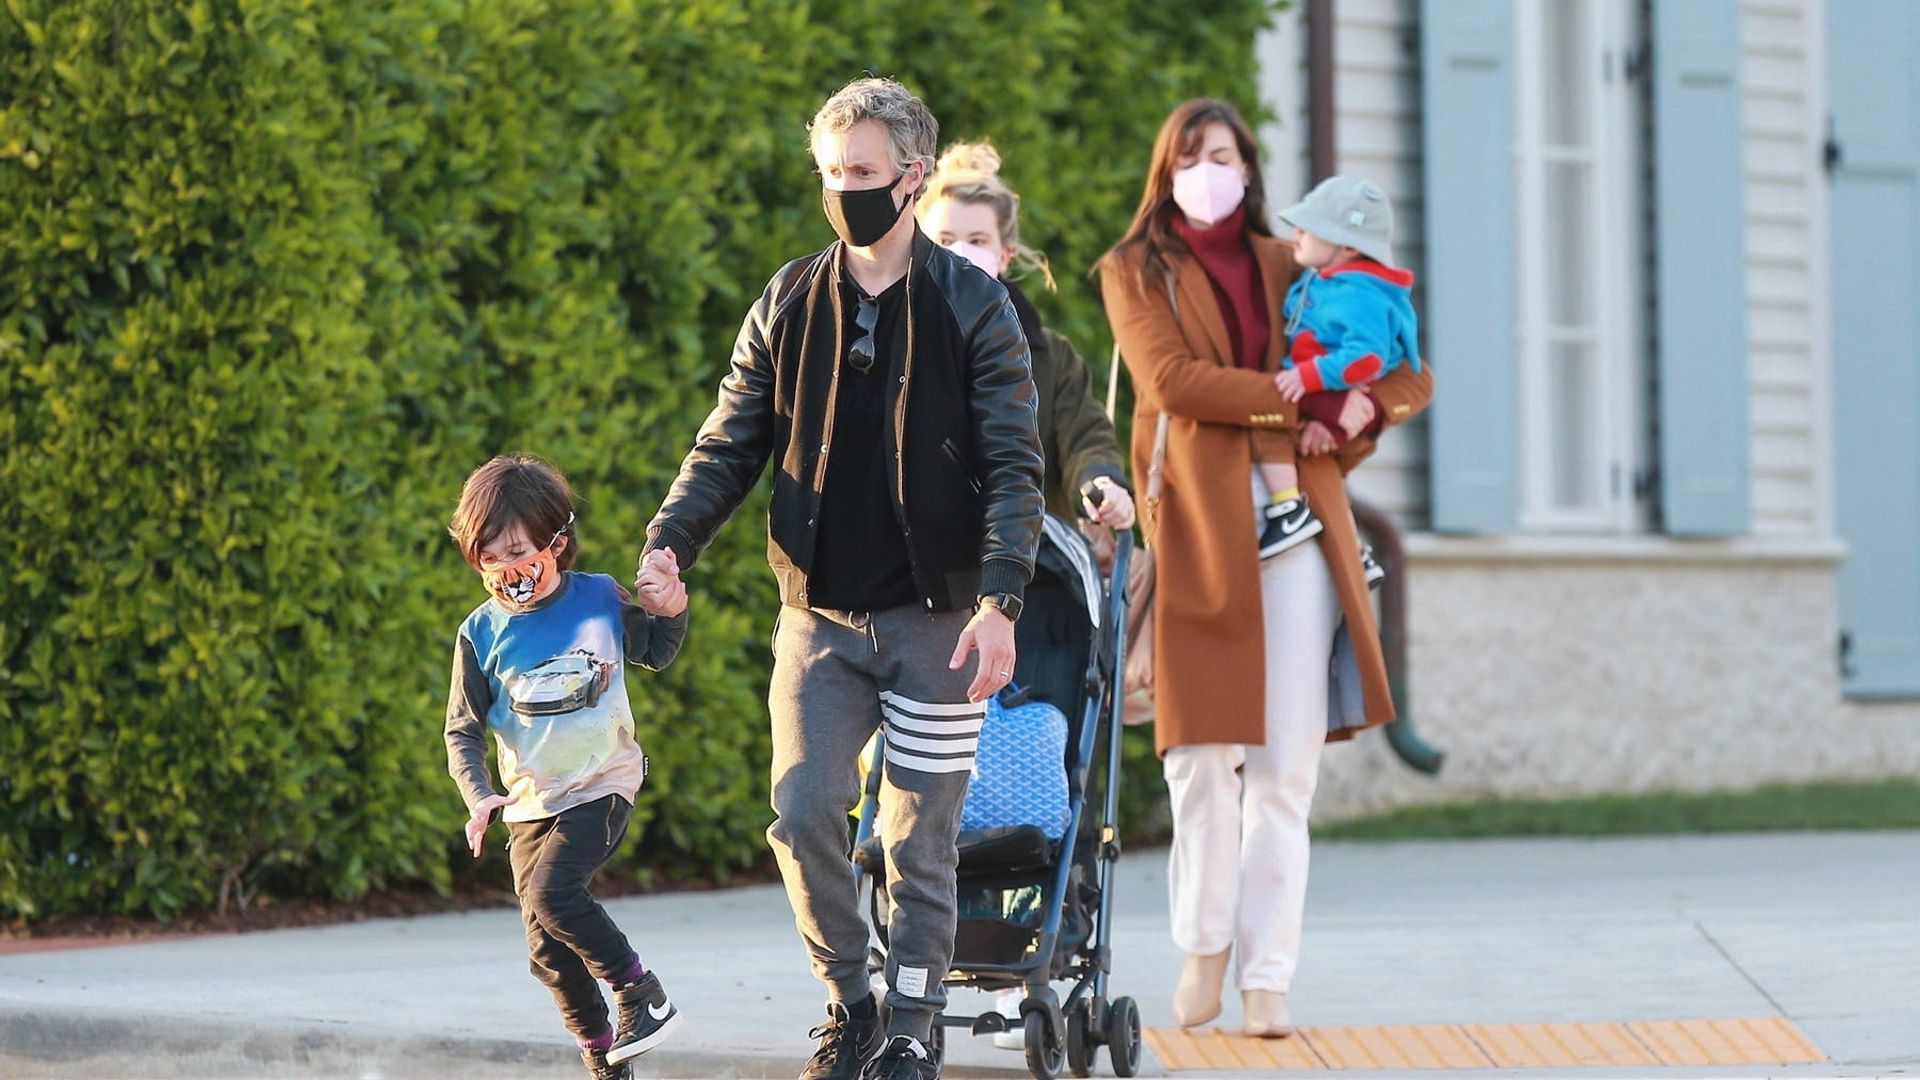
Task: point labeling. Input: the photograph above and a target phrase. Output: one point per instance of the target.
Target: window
(1580, 232)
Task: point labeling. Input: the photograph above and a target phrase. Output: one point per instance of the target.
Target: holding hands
(657, 586)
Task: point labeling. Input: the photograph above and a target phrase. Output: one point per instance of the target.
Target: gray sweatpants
(836, 677)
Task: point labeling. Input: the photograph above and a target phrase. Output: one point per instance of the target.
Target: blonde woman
(971, 211)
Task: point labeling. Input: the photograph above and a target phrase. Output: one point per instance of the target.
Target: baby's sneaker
(1289, 523)
(1373, 571)
(646, 1018)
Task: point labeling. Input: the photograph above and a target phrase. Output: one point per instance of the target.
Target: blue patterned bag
(1020, 770)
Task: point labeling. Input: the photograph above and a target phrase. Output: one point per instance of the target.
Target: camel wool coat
(1209, 656)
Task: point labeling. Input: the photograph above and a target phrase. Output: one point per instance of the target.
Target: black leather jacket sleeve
(732, 447)
(1003, 403)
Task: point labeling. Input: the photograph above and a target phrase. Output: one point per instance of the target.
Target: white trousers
(1238, 873)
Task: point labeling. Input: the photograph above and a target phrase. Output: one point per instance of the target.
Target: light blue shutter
(1873, 68)
(1466, 93)
(1700, 277)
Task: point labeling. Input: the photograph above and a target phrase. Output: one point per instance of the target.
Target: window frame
(1614, 330)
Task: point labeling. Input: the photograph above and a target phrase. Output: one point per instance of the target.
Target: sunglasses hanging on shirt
(866, 317)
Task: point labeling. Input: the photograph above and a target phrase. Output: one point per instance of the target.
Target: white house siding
(1786, 238)
(1377, 92)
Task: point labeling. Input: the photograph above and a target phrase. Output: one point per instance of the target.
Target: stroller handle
(1117, 599)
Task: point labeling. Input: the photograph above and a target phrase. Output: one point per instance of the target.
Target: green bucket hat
(1349, 212)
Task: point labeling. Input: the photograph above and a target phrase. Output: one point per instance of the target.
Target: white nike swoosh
(660, 1011)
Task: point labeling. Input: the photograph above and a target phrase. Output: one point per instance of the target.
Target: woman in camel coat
(1243, 648)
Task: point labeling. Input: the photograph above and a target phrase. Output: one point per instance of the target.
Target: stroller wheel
(1123, 1036)
(1045, 1055)
(1080, 1044)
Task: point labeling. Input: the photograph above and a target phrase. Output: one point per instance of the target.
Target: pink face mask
(983, 257)
(1207, 191)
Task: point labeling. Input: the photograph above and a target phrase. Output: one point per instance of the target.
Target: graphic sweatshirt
(548, 680)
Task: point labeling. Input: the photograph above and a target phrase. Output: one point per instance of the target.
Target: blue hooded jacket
(1350, 324)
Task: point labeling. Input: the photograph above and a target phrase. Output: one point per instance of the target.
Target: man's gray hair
(912, 132)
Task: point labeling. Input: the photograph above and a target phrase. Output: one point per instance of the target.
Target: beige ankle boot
(1267, 1014)
(1197, 999)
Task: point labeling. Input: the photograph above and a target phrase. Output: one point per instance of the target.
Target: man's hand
(481, 817)
(1315, 439)
(1357, 412)
(658, 587)
(1115, 508)
(1290, 385)
(992, 634)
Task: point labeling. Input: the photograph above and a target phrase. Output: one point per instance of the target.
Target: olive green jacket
(1076, 437)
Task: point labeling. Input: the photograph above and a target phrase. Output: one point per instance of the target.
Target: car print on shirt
(567, 683)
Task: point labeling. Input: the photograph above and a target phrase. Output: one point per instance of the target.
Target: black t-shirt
(860, 558)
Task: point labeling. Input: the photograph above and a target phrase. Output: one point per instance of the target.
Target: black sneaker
(850, 1036)
(1289, 524)
(1371, 570)
(646, 1018)
(600, 1068)
(905, 1058)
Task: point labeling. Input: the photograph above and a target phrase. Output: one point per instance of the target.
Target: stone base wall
(1549, 674)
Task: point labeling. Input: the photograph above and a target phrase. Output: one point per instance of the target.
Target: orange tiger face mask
(519, 581)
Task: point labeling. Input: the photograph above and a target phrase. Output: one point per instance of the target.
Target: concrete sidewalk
(1822, 929)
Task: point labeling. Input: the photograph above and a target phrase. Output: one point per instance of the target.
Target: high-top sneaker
(1288, 524)
(646, 1018)
(1371, 570)
(850, 1036)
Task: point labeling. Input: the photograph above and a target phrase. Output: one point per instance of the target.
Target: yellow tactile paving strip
(1513, 1046)
(1771, 1041)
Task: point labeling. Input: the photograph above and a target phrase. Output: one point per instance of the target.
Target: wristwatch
(1007, 604)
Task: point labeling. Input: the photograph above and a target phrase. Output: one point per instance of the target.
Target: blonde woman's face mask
(970, 230)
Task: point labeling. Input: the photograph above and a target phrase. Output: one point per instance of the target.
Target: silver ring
(1006, 674)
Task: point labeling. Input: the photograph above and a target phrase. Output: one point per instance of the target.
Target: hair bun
(971, 157)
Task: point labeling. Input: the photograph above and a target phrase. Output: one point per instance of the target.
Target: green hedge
(275, 274)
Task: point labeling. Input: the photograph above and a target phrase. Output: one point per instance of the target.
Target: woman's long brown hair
(1152, 228)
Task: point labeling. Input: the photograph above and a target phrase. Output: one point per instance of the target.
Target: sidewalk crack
(1744, 973)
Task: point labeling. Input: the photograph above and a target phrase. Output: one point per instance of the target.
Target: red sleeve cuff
(1325, 407)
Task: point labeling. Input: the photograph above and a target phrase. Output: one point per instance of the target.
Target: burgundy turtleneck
(1227, 257)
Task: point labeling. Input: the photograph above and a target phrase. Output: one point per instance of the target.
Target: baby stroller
(1036, 910)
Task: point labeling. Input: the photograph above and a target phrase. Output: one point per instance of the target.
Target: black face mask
(862, 217)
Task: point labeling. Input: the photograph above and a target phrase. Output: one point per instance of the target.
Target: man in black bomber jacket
(889, 379)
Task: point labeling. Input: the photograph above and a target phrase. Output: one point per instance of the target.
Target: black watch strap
(1009, 604)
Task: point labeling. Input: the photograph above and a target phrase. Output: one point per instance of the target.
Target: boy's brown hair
(513, 488)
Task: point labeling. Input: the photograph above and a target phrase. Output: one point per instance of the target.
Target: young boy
(1350, 321)
(539, 663)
